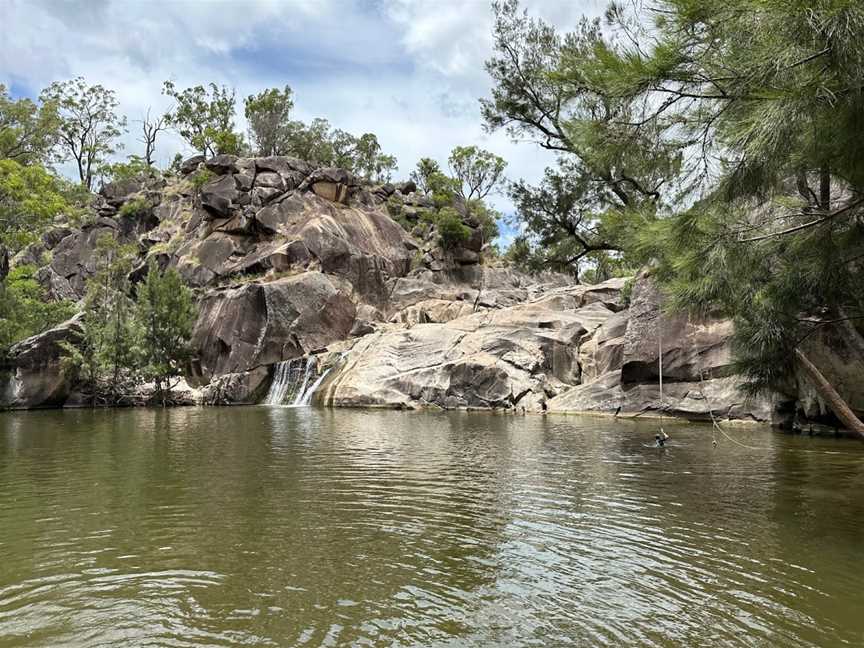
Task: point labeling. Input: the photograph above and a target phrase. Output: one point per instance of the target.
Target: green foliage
(201, 177)
(268, 114)
(525, 257)
(613, 176)
(477, 172)
(135, 208)
(135, 167)
(443, 190)
(426, 168)
(88, 124)
(367, 160)
(487, 217)
(24, 309)
(204, 117)
(28, 131)
(311, 142)
(451, 230)
(104, 359)
(166, 315)
(124, 341)
(320, 144)
(768, 97)
(30, 198)
(456, 200)
(175, 165)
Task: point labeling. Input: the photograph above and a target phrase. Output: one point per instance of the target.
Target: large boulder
(247, 388)
(75, 259)
(190, 165)
(117, 192)
(621, 369)
(297, 231)
(220, 196)
(692, 349)
(240, 329)
(496, 358)
(222, 164)
(32, 374)
(837, 350)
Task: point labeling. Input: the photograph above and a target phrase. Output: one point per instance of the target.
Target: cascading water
(306, 397)
(291, 380)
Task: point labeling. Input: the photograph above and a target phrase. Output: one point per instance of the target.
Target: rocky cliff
(291, 261)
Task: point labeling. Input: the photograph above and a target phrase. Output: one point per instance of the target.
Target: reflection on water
(272, 526)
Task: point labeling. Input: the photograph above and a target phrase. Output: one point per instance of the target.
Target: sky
(409, 71)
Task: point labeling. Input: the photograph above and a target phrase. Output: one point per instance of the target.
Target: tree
(478, 172)
(150, 128)
(166, 315)
(368, 160)
(88, 124)
(134, 167)
(311, 142)
(28, 131)
(320, 144)
(104, 359)
(547, 89)
(562, 215)
(451, 230)
(24, 310)
(426, 168)
(770, 100)
(30, 199)
(268, 114)
(205, 118)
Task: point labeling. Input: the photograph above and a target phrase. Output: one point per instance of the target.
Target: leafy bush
(451, 230)
(135, 208)
(23, 309)
(201, 177)
(30, 198)
(136, 167)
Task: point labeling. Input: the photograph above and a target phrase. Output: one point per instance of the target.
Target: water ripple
(300, 527)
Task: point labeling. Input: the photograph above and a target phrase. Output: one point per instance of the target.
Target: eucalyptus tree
(204, 117)
(28, 130)
(269, 116)
(88, 126)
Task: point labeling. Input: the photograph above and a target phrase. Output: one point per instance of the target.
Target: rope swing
(661, 436)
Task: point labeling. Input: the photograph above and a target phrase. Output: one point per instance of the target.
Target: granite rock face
(621, 366)
(515, 356)
(32, 375)
(290, 260)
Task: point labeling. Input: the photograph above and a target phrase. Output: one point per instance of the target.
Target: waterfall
(291, 382)
(306, 398)
(280, 384)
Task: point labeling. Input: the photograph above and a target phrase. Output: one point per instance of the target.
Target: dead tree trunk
(827, 392)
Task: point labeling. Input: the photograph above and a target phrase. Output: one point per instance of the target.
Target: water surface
(303, 527)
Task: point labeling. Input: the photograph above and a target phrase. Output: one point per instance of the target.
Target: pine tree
(104, 358)
(771, 97)
(165, 315)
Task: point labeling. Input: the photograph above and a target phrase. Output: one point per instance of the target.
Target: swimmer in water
(661, 438)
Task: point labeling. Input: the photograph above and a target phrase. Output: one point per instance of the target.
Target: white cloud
(409, 71)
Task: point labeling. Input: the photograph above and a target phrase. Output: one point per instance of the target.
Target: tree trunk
(825, 188)
(827, 392)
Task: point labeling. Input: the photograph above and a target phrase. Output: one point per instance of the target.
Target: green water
(303, 527)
